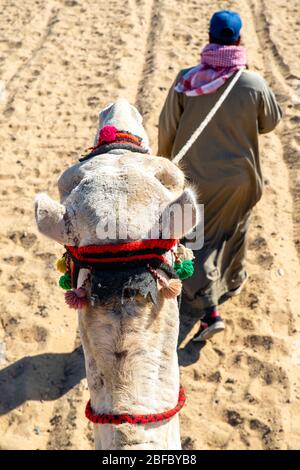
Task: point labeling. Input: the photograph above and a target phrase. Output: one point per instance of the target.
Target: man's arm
(269, 113)
(168, 122)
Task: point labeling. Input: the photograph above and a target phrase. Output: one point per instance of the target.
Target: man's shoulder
(252, 80)
(248, 78)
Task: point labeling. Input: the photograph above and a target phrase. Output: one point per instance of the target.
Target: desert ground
(61, 62)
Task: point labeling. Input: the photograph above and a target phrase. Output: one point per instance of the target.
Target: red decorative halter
(131, 251)
(135, 419)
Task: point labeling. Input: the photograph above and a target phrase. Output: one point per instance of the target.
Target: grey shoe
(206, 332)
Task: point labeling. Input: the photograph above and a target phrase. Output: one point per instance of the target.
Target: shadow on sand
(190, 353)
(42, 377)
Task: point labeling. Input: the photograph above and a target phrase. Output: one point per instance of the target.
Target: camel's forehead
(138, 166)
(112, 182)
(131, 160)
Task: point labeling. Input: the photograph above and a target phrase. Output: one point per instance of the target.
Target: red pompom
(108, 134)
(76, 298)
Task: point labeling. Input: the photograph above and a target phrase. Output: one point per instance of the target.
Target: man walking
(223, 164)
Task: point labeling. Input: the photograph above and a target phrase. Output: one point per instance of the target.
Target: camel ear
(52, 220)
(180, 216)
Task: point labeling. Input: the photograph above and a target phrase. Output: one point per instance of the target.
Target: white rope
(208, 118)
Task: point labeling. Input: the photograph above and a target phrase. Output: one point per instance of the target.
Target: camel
(129, 341)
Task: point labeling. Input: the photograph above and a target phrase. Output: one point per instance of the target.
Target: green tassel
(65, 281)
(185, 269)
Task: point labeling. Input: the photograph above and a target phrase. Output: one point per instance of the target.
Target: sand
(61, 62)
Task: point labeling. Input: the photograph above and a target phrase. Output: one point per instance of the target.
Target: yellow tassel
(61, 265)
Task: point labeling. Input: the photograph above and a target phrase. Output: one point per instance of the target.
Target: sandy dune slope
(61, 61)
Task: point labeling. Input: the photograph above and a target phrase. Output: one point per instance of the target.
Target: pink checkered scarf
(218, 64)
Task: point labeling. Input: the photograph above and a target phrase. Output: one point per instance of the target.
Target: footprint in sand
(33, 334)
(25, 239)
(14, 260)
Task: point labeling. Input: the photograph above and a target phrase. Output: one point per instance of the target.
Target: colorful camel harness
(123, 269)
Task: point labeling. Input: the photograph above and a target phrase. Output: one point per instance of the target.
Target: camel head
(124, 198)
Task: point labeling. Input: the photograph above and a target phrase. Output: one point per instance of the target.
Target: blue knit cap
(225, 26)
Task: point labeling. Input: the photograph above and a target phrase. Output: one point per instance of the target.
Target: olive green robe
(224, 167)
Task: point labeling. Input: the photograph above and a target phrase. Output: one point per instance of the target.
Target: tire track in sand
(280, 76)
(144, 90)
(16, 78)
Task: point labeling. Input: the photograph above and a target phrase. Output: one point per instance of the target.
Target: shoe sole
(212, 330)
(238, 290)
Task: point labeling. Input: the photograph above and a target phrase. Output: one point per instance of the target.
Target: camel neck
(132, 367)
